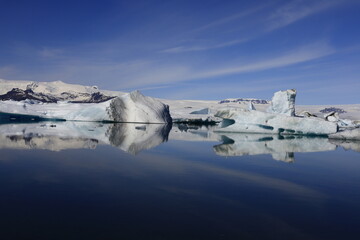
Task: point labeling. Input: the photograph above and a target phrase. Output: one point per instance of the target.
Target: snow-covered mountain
(17, 94)
(55, 88)
(52, 92)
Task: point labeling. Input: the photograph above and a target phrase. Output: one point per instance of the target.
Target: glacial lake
(68, 180)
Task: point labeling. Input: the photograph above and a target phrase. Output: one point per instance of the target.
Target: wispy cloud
(47, 52)
(177, 73)
(297, 10)
(181, 49)
(302, 54)
(226, 20)
(271, 20)
(6, 70)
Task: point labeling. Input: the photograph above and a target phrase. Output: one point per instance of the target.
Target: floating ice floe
(342, 123)
(131, 107)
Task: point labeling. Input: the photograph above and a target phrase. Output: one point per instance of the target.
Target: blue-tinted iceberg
(245, 121)
(279, 119)
(131, 107)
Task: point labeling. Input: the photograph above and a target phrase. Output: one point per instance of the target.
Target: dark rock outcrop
(17, 94)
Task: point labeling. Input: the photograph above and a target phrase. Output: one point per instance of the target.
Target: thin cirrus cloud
(46, 52)
(302, 54)
(181, 49)
(279, 18)
(172, 74)
(297, 10)
(229, 19)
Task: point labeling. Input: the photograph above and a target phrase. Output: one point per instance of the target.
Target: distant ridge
(244, 100)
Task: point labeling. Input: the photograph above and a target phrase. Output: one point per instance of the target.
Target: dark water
(180, 189)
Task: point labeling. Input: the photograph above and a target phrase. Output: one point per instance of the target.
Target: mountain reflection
(56, 136)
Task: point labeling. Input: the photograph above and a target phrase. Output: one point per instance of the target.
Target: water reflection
(56, 136)
(347, 144)
(181, 190)
(134, 138)
(281, 148)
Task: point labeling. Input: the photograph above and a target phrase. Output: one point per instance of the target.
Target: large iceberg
(279, 119)
(245, 121)
(131, 107)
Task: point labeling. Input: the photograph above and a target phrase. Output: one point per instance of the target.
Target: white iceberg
(239, 120)
(279, 119)
(131, 107)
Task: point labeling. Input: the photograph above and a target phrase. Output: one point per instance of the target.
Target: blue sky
(188, 49)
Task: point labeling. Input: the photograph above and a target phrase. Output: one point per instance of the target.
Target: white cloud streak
(50, 52)
(181, 49)
(231, 18)
(170, 74)
(297, 10)
(282, 17)
(303, 54)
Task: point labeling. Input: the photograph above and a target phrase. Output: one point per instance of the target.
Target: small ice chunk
(347, 123)
(251, 106)
(332, 116)
(202, 111)
(306, 114)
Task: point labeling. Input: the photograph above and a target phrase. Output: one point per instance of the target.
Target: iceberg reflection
(134, 138)
(281, 148)
(353, 145)
(56, 136)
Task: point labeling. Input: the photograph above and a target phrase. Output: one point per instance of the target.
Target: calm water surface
(135, 182)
